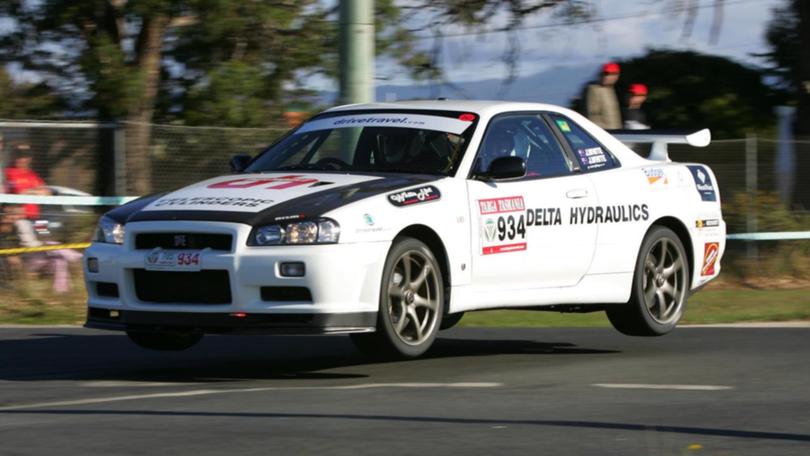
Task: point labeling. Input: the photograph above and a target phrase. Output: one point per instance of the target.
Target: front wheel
(411, 303)
(660, 287)
(164, 341)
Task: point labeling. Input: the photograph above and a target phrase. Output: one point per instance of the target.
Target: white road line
(206, 392)
(663, 387)
(128, 384)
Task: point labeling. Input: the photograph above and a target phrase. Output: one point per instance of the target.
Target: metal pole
(356, 51)
(120, 160)
(751, 184)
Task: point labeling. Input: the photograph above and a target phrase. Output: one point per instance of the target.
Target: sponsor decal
(414, 196)
(275, 183)
(711, 250)
(544, 216)
(592, 158)
(501, 205)
(655, 176)
(233, 201)
(427, 122)
(707, 223)
(563, 126)
(703, 182)
(288, 217)
(586, 215)
(368, 219)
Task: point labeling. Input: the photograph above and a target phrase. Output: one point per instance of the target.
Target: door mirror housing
(503, 168)
(239, 162)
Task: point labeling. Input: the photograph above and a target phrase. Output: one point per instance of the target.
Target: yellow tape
(44, 248)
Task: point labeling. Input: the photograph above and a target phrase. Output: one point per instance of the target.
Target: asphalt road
(696, 391)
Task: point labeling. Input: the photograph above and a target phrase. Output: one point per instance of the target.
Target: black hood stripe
(307, 206)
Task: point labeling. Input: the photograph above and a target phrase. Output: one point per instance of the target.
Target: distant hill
(556, 86)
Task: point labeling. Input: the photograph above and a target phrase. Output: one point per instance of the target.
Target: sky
(621, 29)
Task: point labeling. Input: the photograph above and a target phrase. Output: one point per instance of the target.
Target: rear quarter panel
(669, 192)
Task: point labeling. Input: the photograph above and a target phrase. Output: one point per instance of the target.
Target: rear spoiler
(660, 139)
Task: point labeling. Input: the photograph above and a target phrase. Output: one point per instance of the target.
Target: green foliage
(689, 90)
(27, 101)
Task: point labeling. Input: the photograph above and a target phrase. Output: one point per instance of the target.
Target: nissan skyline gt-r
(389, 221)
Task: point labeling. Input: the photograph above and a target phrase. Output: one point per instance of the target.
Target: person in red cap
(634, 117)
(602, 106)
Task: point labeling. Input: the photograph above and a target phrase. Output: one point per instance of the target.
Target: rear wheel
(164, 341)
(660, 287)
(411, 303)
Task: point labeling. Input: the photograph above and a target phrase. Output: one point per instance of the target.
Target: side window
(590, 154)
(526, 136)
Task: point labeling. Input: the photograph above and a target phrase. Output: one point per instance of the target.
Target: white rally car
(389, 221)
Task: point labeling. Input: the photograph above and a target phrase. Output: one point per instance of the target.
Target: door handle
(577, 193)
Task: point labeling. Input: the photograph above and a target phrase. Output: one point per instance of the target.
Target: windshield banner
(418, 121)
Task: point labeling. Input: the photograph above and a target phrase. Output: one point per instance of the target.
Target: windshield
(424, 142)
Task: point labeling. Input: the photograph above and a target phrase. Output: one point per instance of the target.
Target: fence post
(751, 184)
(120, 160)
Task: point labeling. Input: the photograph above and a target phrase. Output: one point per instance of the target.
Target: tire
(164, 341)
(660, 287)
(450, 320)
(411, 303)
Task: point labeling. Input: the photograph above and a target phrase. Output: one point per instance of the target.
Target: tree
(177, 60)
(789, 58)
(27, 101)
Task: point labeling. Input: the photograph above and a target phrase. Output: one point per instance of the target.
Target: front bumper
(230, 323)
(343, 282)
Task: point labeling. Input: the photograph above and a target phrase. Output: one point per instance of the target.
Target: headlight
(109, 231)
(321, 231)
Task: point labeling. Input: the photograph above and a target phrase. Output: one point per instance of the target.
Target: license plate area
(173, 260)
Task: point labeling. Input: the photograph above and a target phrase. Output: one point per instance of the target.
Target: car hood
(257, 199)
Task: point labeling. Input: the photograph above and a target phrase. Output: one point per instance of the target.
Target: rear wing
(660, 139)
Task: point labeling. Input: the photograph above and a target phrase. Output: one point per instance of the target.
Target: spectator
(634, 117)
(10, 265)
(602, 106)
(17, 231)
(22, 180)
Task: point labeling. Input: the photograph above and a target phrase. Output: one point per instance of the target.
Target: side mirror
(506, 168)
(239, 162)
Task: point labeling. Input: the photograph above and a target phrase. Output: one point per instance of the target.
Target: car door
(521, 232)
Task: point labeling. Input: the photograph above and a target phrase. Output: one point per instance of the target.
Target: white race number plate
(175, 260)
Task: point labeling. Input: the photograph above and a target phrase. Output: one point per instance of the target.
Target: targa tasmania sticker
(414, 196)
(503, 227)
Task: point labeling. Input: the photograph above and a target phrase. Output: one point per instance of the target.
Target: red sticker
(500, 205)
(711, 250)
(278, 183)
(503, 248)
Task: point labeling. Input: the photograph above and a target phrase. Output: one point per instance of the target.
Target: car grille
(171, 287)
(183, 241)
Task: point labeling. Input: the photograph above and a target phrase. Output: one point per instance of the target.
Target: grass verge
(32, 301)
(705, 307)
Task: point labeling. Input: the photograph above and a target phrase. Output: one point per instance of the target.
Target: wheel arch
(434, 242)
(683, 234)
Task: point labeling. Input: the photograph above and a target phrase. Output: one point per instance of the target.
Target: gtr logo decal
(279, 183)
(414, 196)
(180, 240)
(710, 252)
